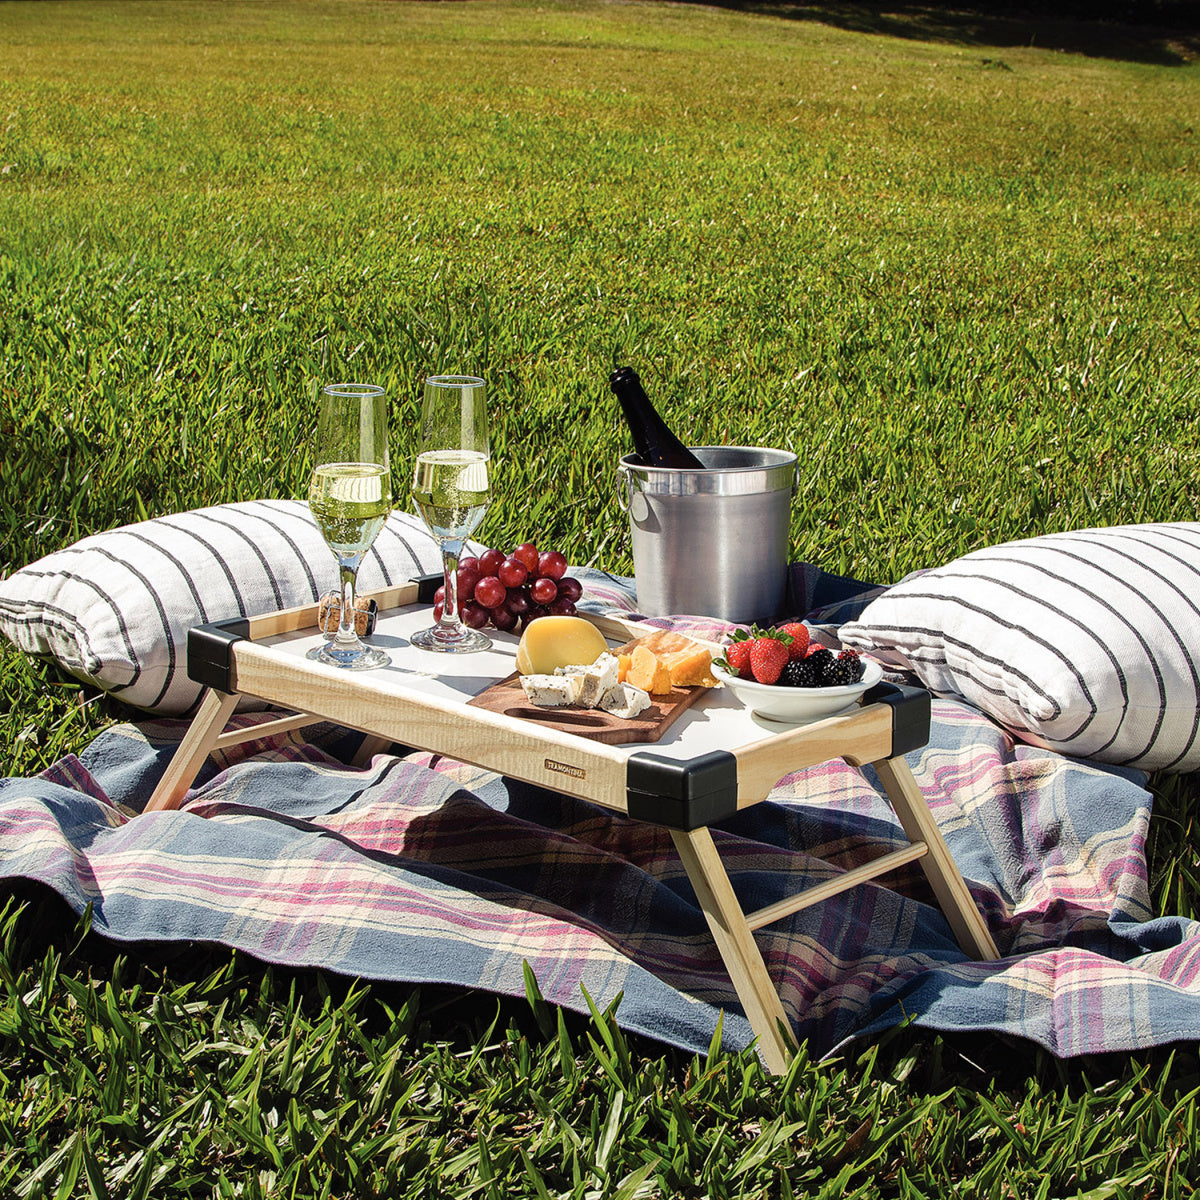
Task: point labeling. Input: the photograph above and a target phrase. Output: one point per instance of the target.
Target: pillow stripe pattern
(77, 656)
(249, 551)
(1084, 642)
(163, 625)
(115, 608)
(274, 518)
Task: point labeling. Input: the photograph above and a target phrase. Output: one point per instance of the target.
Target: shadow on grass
(1169, 36)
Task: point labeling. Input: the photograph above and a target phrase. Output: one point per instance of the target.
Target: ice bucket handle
(624, 488)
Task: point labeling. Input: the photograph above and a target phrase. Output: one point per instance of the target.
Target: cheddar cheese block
(690, 668)
(648, 672)
(687, 662)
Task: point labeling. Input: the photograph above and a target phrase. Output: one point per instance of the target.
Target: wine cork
(329, 614)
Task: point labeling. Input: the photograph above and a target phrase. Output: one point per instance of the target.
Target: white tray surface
(716, 721)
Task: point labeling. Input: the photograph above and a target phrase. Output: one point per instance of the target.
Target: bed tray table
(712, 762)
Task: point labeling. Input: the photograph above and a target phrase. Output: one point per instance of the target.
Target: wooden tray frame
(686, 796)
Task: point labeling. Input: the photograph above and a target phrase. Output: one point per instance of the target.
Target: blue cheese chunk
(593, 682)
(625, 700)
(549, 691)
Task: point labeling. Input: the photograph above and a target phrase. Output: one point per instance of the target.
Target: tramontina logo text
(565, 769)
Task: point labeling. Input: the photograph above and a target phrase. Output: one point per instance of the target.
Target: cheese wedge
(666, 641)
(552, 642)
(549, 691)
(690, 668)
(597, 680)
(688, 663)
(647, 672)
(625, 700)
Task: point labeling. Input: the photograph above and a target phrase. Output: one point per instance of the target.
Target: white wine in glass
(350, 496)
(451, 492)
(450, 488)
(350, 502)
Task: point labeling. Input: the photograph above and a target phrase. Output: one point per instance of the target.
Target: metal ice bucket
(713, 542)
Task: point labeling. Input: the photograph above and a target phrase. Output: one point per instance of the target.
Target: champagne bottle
(655, 443)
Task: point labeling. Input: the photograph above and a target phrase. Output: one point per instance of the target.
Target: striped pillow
(115, 608)
(1084, 642)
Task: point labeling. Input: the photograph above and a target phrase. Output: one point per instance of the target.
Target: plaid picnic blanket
(424, 870)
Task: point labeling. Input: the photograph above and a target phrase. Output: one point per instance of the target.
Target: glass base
(465, 641)
(360, 658)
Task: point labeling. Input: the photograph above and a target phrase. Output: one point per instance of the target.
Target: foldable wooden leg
(742, 958)
(941, 870)
(198, 743)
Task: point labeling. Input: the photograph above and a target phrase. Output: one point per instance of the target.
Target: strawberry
(800, 638)
(768, 655)
(737, 653)
(737, 656)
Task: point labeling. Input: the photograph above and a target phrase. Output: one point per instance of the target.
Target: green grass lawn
(957, 275)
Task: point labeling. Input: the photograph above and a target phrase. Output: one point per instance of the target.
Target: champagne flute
(350, 496)
(450, 488)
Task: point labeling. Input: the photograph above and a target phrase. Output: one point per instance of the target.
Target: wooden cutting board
(649, 725)
(508, 697)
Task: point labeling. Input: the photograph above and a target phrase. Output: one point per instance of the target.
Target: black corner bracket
(208, 652)
(910, 714)
(427, 585)
(682, 794)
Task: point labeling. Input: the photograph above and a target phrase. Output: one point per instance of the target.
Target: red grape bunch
(511, 590)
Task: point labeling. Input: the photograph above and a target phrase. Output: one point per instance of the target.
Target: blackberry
(800, 672)
(845, 669)
(819, 660)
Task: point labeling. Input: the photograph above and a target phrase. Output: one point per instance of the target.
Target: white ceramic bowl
(798, 705)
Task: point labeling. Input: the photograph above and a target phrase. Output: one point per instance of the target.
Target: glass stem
(347, 634)
(451, 553)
